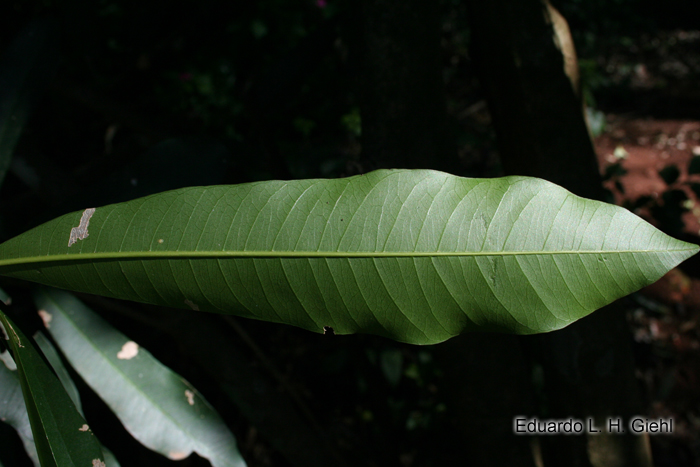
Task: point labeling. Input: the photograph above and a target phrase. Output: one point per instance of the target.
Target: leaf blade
(159, 408)
(418, 256)
(13, 410)
(60, 433)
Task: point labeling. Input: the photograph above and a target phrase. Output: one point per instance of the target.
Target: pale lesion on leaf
(128, 351)
(191, 304)
(81, 232)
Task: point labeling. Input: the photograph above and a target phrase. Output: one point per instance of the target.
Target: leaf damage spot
(328, 331)
(129, 350)
(7, 335)
(85, 427)
(160, 240)
(81, 232)
(177, 455)
(98, 463)
(190, 396)
(191, 304)
(46, 317)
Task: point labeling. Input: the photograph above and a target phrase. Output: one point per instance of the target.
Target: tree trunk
(588, 367)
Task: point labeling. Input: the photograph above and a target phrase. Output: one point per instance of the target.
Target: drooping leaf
(60, 433)
(417, 256)
(13, 411)
(157, 406)
(55, 361)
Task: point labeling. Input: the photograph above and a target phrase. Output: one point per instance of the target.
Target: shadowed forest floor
(649, 161)
(649, 154)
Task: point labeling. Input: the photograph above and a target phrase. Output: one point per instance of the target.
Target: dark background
(127, 98)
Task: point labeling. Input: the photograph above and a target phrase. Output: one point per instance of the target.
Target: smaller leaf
(13, 411)
(157, 406)
(61, 434)
(54, 360)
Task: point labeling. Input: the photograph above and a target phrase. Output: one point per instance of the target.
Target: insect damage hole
(85, 427)
(81, 232)
(190, 396)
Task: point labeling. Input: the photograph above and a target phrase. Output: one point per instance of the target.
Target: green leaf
(418, 256)
(55, 361)
(61, 435)
(13, 411)
(159, 408)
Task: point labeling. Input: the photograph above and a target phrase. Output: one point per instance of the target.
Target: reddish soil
(666, 322)
(644, 148)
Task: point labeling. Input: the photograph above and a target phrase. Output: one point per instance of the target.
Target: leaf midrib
(146, 255)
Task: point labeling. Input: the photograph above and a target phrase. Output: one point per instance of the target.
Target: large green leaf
(61, 435)
(156, 405)
(418, 256)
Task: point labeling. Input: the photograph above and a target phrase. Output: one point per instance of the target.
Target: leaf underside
(156, 405)
(61, 435)
(415, 255)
